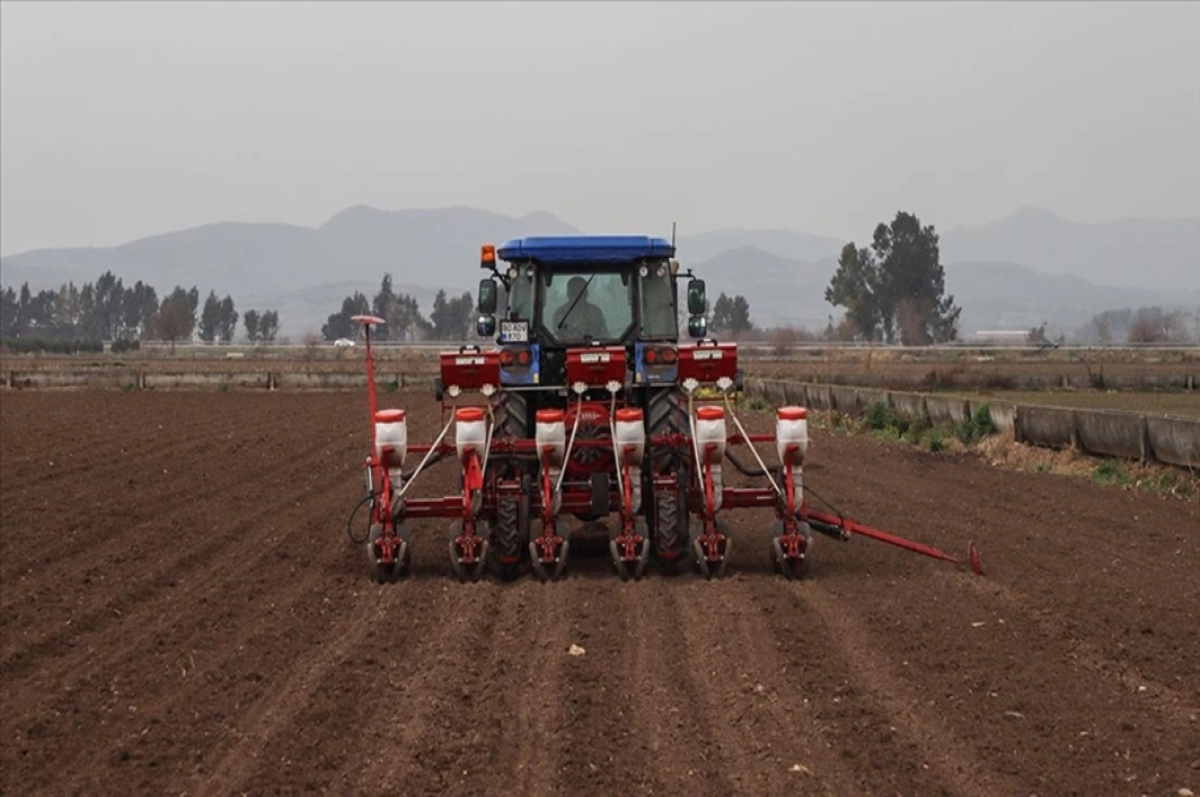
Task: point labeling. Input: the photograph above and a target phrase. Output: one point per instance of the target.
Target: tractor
(587, 407)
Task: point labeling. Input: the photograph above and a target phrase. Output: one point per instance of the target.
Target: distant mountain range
(1155, 254)
(1019, 271)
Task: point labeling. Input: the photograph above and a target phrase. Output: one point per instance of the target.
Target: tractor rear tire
(510, 540)
(670, 534)
(511, 411)
(666, 414)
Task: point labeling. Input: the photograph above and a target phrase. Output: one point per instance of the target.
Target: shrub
(883, 416)
(973, 429)
(1110, 471)
(756, 403)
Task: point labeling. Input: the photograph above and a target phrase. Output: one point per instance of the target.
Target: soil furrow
(955, 763)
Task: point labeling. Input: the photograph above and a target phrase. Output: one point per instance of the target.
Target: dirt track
(181, 612)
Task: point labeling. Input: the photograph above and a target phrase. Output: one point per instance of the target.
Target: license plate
(595, 357)
(710, 354)
(514, 331)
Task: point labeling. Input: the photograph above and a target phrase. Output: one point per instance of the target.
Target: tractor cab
(561, 293)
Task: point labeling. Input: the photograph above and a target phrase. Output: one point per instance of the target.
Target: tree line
(449, 319)
(1143, 325)
(108, 310)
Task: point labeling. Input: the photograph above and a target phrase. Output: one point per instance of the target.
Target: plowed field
(181, 613)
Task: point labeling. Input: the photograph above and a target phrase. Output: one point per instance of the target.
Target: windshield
(657, 302)
(579, 307)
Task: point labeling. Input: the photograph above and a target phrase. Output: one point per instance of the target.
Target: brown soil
(181, 612)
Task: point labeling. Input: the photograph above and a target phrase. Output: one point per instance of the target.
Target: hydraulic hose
(350, 521)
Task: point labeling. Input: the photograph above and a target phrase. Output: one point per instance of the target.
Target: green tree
(107, 307)
(250, 319)
(339, 324)
(856, 285)
(177, 315)
(10, 312)
(67, 315)
(721, 313)
(897, 286)
(384, 306)
(210, 318)
(228, 318)
(40, 319)
(268, 326)
(739, 316)
(139, 308)
(400, 312)
(731, 315)
(451, 319)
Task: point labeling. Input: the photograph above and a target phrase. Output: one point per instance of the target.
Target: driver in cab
(579, 318)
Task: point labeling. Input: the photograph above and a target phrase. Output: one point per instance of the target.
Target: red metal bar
(371, 400)
(891, 539)
(747, 497)
(737, 439)
(580, 500)
(530, 446)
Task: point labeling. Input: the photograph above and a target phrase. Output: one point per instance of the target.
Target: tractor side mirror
(697, 326)
(487, 297)
(697, 300)
(485, 326)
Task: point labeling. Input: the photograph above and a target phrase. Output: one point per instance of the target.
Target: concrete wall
(819, 397)
(1047, 426)
(1115, 434)
(205, 381)
(1130, 435)
(910, 404)
(121, 379)
(1174, 440)
(871, 395)
(845, 399)
(131, 379)
(941, 409)
(1004, 413)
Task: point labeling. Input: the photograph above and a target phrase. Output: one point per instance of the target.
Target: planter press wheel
(385, 573)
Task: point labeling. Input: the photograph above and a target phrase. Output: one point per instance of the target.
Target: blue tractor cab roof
(585, 249)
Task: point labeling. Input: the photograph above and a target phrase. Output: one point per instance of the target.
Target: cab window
(656, 302)
(520, 295)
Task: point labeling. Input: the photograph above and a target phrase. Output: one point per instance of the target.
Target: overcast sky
(120, 121)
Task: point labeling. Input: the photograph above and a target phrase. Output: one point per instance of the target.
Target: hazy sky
(119, 121)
